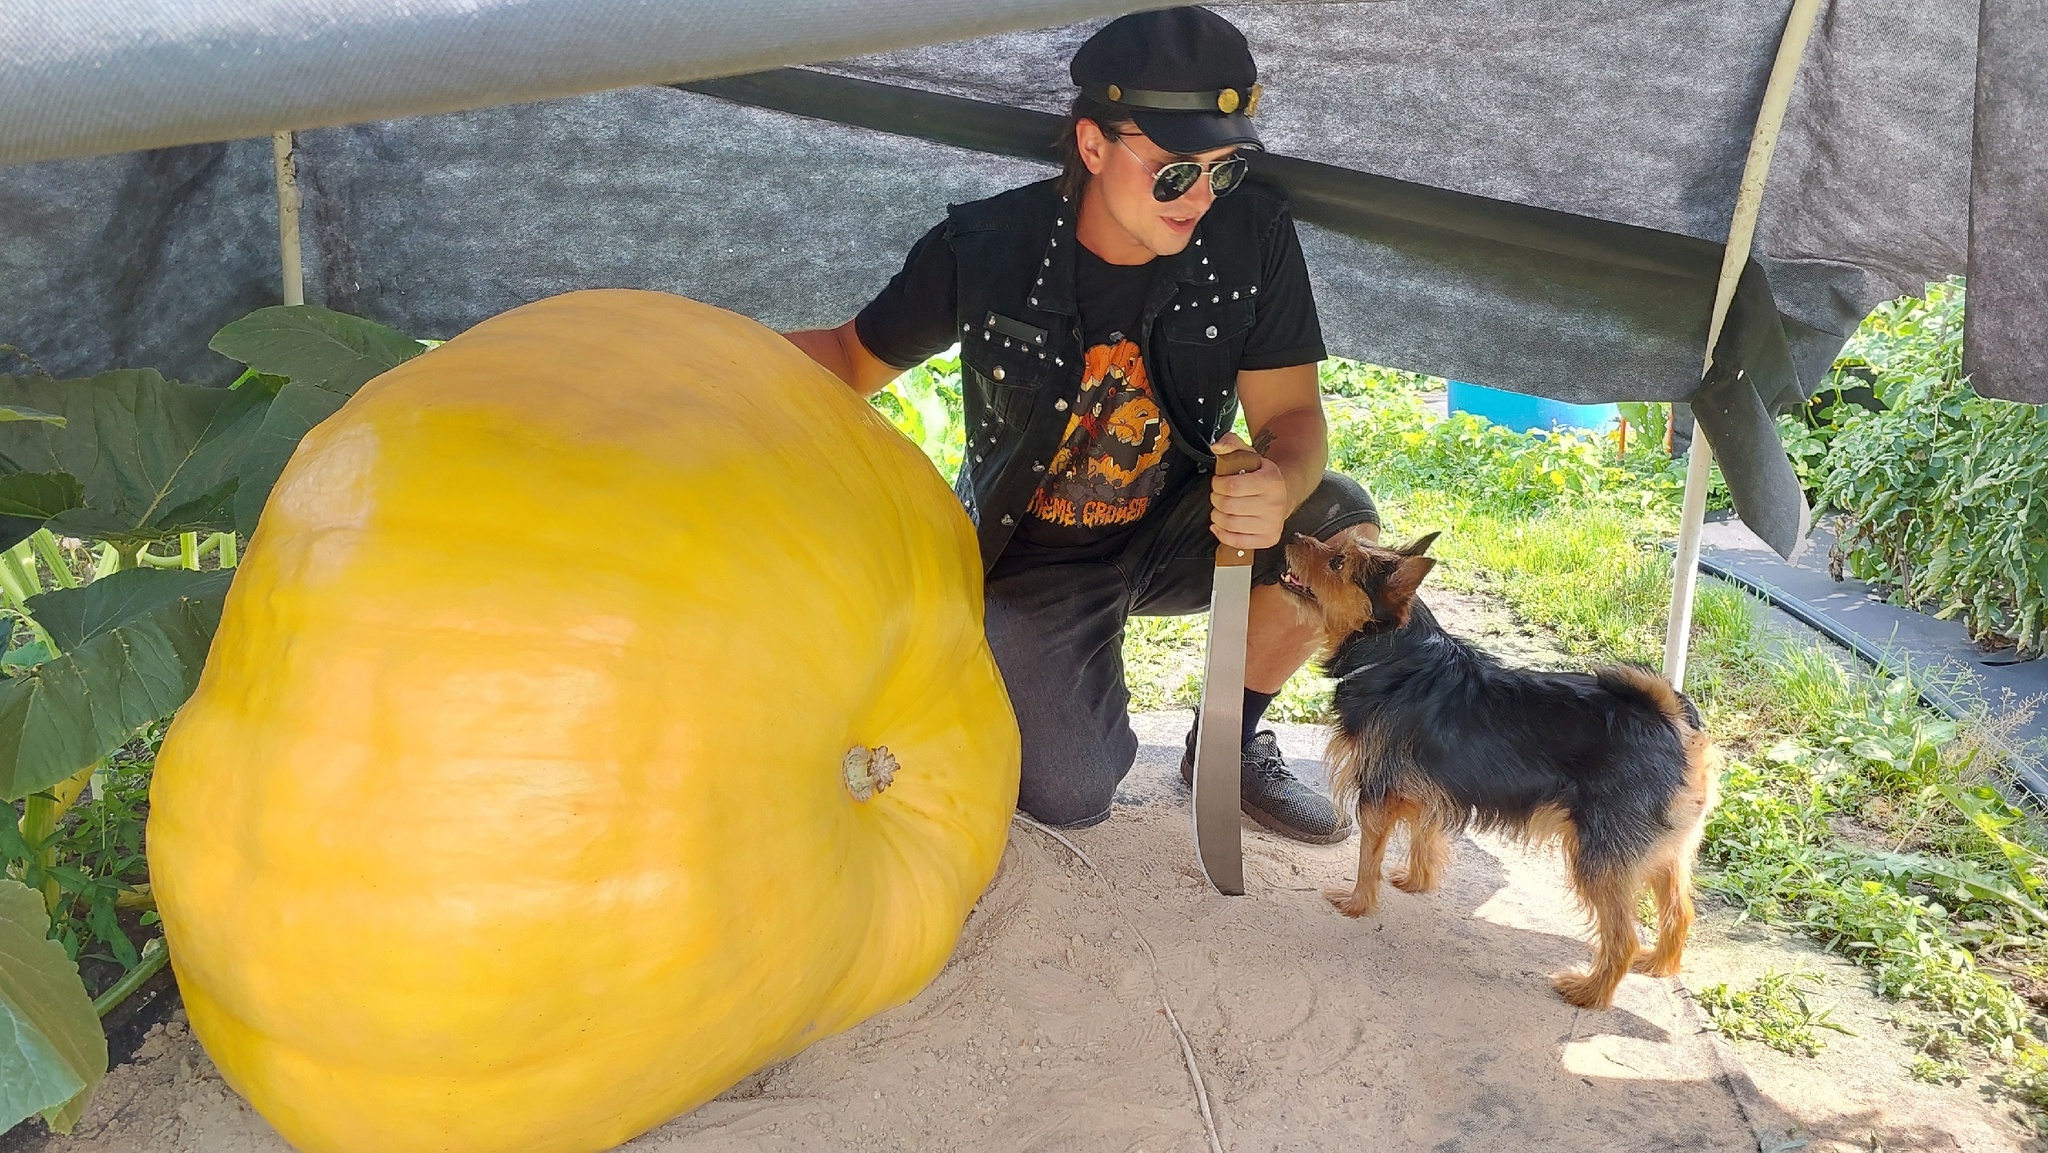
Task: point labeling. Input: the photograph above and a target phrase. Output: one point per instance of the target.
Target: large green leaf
(52, 1052)
(136, 459)
(134, 644)
(1956, 878)
(323, 357)
(76, 617)
(152, 457)
(314, 346)
(38, 496)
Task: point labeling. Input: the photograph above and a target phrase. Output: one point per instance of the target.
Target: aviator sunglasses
(1172, 181)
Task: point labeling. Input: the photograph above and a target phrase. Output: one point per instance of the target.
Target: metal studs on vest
(1211, 332)
(996, 373)
(1008, 519)
(1060, 405)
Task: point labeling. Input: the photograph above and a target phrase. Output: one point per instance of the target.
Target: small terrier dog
(1435, 733)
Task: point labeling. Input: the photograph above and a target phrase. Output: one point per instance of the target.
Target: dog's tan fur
(1335, 580)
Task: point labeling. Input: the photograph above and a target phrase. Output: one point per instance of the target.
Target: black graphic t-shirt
(1114, 460)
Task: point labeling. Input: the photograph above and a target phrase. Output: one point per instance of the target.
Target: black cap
(1185, 75)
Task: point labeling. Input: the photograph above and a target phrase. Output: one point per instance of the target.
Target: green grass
(1163, 661)
(1775, 1011)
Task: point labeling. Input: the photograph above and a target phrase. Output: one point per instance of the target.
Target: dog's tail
(1630, 680)
(1702, 756)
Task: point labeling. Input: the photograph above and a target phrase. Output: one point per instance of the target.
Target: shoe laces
(1264, 759)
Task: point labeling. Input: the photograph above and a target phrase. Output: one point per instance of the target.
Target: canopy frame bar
(1734, 256)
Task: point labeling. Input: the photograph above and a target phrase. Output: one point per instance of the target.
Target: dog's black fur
(1434, 733)
(1502, 743)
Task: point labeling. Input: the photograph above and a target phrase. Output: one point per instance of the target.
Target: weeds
(1939, 484)
(2026, 1080)
(90, 863)
(1935, 1071)
(1774, 1010)
(1850, 813)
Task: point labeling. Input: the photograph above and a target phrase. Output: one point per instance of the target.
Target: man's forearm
(823, 345)
(841, 353)
(1298, 441)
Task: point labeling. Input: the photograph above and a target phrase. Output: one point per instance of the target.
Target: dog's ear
(1400, 585)
(1418, 546)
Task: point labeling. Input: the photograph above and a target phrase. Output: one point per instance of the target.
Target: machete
(1219, 749)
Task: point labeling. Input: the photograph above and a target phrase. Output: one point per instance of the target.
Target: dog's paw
(1352, 902)
(1656, 965)
(1400, 878)
(1586, 990)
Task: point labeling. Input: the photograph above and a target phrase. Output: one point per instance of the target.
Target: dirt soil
(1429, 1026)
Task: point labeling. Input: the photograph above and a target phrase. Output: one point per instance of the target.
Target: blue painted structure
(1520, 412)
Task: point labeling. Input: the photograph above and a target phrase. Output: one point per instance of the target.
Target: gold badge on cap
(1115, 93)
(1251, 107)
(1226, 101)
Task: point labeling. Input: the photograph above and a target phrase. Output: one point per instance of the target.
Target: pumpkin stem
(869, 771)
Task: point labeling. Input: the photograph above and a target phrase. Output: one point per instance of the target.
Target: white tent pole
(1734, 257)
(288, 216)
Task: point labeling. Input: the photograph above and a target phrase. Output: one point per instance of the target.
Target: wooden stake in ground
(281, 147)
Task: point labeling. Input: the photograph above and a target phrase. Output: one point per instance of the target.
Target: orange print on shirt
(1107, 471)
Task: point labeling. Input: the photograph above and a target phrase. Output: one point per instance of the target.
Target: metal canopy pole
(288, 217)
(1734, 256)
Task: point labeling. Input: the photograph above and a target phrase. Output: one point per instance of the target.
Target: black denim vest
(1021, 356)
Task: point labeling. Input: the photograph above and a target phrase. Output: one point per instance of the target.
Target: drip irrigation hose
(2026, 769)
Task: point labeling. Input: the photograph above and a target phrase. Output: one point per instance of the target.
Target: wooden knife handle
(1237, 461)
(1230, 464)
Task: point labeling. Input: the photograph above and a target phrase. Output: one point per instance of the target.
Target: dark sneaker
(1275, 797)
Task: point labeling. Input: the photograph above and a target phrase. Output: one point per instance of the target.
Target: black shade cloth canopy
(1529, 196)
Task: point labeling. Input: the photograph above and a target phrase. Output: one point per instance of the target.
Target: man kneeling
(1111, 322)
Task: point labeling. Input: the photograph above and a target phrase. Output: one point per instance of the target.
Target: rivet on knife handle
(1231, 464)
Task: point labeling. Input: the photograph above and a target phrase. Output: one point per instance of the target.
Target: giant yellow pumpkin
(513, 810)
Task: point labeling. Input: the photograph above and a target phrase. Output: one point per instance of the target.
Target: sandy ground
(1430, 1026)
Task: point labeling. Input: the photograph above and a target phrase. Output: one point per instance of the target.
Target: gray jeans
(1057, 632)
